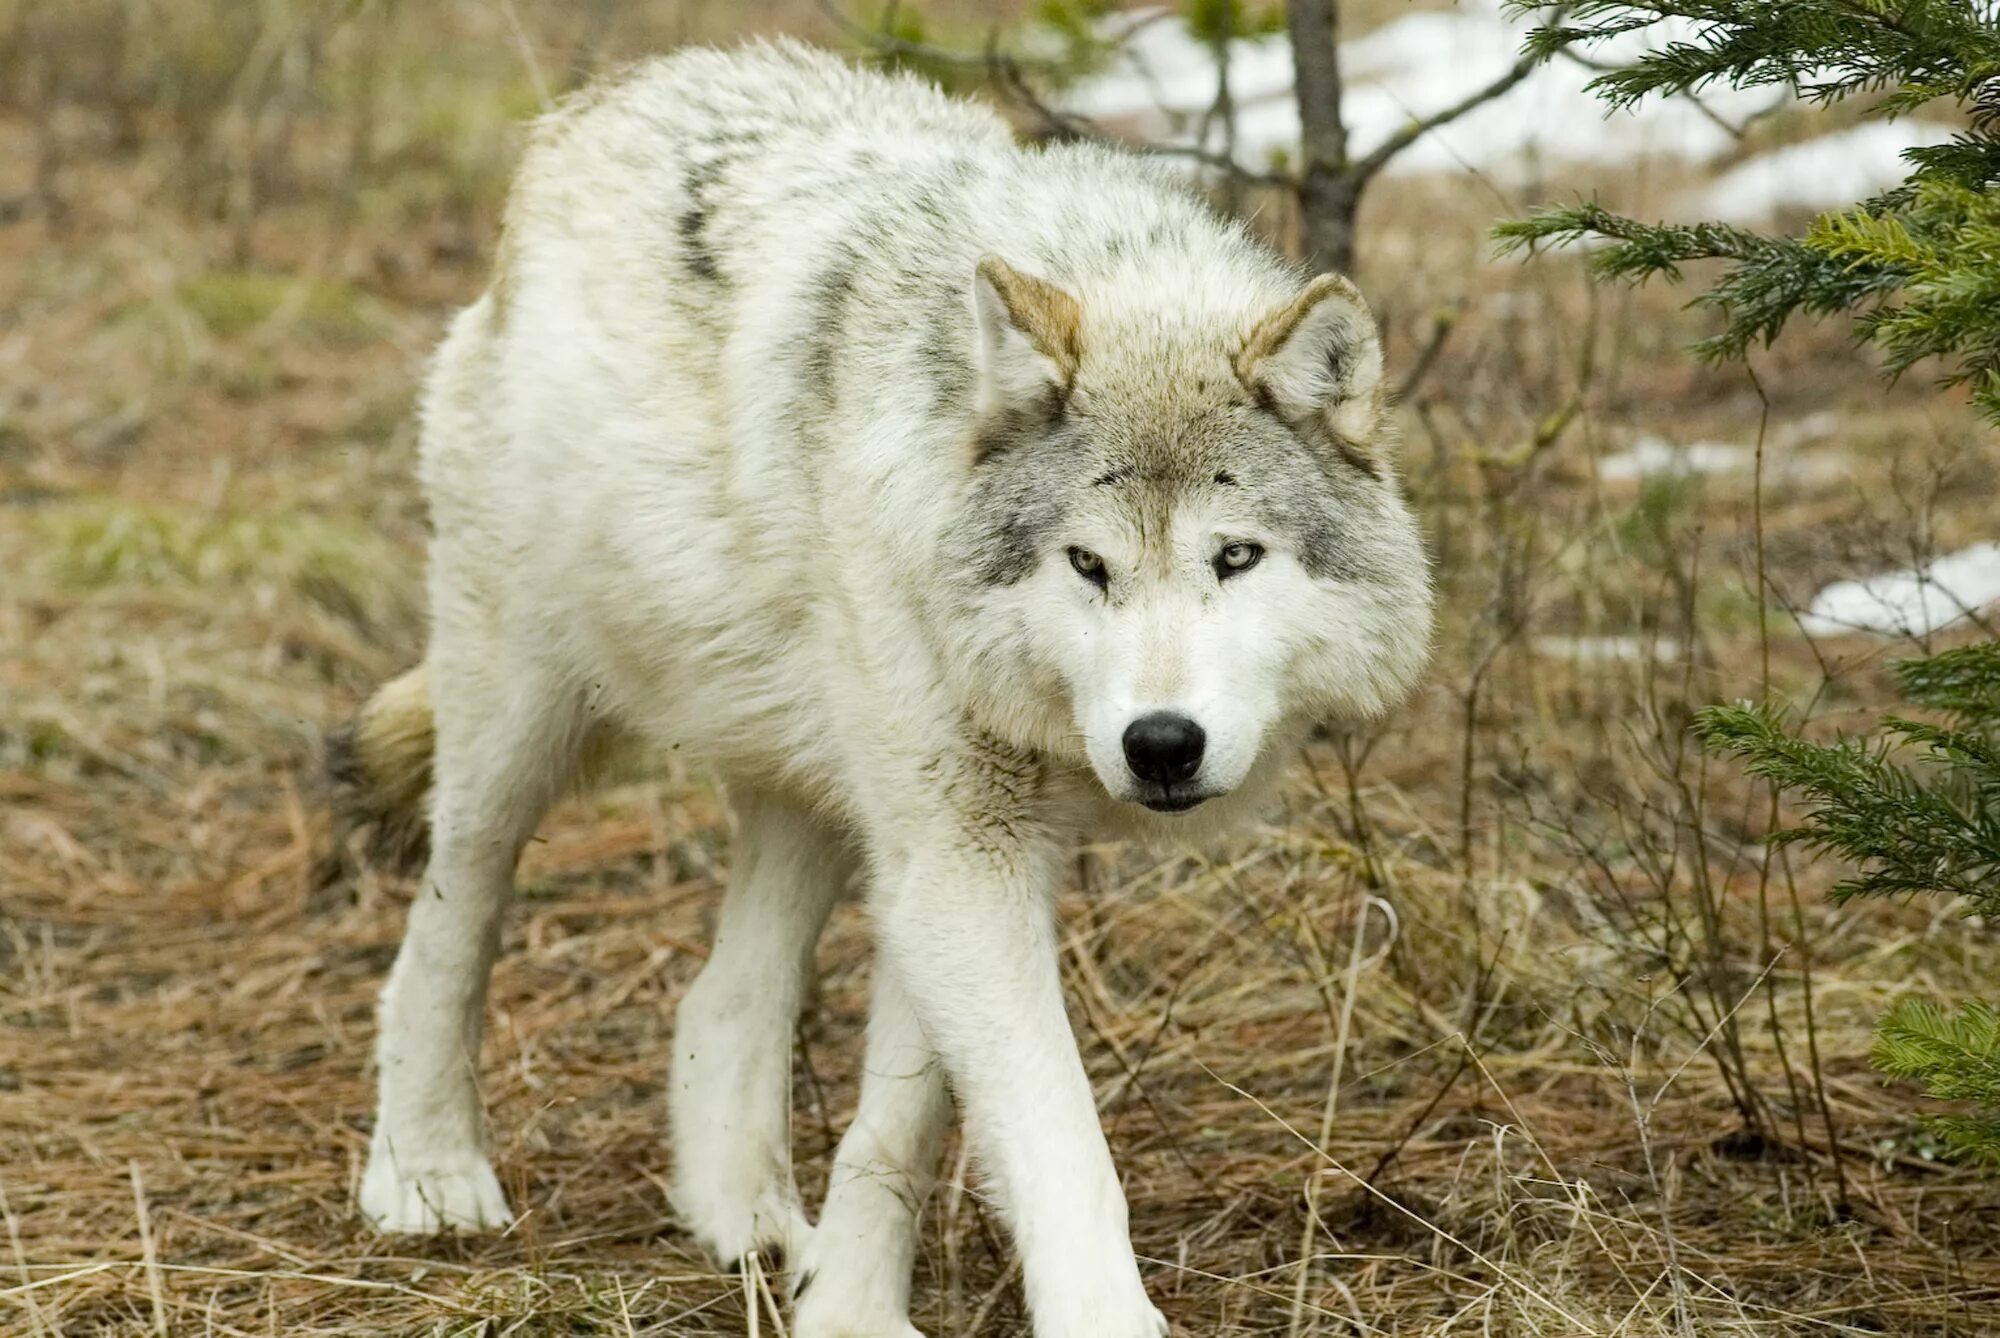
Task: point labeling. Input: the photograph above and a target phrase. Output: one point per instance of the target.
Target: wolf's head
(1182, 537)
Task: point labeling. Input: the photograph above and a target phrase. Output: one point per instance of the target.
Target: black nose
(1163, 747)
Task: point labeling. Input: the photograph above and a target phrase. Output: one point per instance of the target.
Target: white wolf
(953, 501)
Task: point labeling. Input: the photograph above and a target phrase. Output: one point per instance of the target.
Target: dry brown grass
(1501, 1026)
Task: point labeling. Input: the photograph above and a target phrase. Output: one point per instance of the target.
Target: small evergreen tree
(1928, 823)
(1919, 267)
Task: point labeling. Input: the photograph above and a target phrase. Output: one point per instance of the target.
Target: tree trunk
(1327, 202)
(1327, 194)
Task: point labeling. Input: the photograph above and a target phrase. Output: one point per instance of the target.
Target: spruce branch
(1957, 1058)
(1910, 832)
(1964, 683)
(1918, 266)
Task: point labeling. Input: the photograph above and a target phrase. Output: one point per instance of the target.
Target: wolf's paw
(1151, 1324)
(810, 1328)
(840, 1295)
(772, 1227)
(809, 1321)
(447, 1194)
(1141, 1322)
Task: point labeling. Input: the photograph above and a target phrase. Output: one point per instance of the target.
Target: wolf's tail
(379, 768)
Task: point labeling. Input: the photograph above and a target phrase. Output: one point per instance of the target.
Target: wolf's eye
(1236, 558)
(1090, 567)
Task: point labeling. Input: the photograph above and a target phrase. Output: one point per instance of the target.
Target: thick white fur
(707, 498)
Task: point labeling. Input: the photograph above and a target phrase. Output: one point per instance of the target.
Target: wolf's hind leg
(731, 1099)
(855, 1278)
(508, 735)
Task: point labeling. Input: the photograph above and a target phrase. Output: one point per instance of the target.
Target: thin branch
(1059, 124)
(1006, 72)
(1442, 324)
(1734, 131)
(1230, 166)
(1364, 169)
(888, 44)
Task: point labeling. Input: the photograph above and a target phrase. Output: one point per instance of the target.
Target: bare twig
(1365, 167)
(1506, 1275)
(1442, 325)
(155, 1283)
(888, 44)
(1327, 1113)
(20, 1261)
(528, 57)
(1007, 73)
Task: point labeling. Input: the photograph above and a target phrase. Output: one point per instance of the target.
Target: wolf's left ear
(1318, 357)
(1025, 337)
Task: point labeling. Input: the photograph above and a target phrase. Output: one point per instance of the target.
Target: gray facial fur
(1031, 475)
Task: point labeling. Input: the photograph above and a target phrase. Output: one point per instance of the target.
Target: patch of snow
(1910, 603)
(1600, 649)
(1823, 173)
(1513, 302)
(1164, 81)
(1651, 456)
(1815, 426)
(1786, 460)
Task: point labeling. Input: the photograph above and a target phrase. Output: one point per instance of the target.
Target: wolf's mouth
(1174, 803)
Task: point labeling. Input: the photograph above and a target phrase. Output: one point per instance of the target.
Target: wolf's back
(711, 108)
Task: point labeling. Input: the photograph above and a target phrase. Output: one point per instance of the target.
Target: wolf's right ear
(1319, 358)
(1024, 337)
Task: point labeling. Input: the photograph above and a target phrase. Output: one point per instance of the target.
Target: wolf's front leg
(966, 929)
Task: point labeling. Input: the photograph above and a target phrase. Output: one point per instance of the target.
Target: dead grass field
(1507, 1024)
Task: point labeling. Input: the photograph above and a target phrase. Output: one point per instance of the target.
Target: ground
(1506, 1022)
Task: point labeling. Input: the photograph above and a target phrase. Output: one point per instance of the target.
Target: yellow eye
(1089, 566)
(1236, 558)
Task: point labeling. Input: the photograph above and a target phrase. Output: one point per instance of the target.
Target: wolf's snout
(1164, 748)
